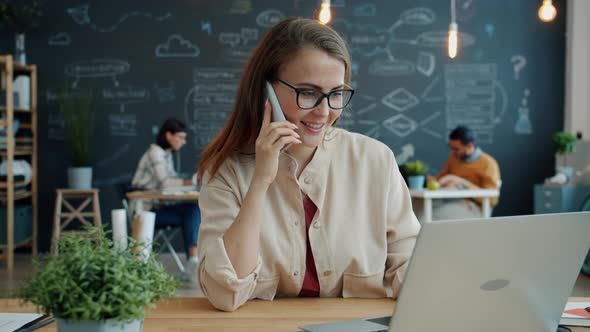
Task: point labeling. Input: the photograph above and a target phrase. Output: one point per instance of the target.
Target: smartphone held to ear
(277, 112)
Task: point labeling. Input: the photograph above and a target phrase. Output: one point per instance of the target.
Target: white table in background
(429, 195)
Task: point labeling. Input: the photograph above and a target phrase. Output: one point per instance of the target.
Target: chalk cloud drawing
(96, 68)
(60, 39)
(365, 10)
(269, 18)
(418, 16)
(177, 47)
(400, 100)
(81, 16)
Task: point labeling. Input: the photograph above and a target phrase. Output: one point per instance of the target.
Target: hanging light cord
(453, 12)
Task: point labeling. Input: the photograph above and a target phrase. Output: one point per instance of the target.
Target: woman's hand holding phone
(273, 137)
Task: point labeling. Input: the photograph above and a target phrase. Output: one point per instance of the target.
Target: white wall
(577, 77)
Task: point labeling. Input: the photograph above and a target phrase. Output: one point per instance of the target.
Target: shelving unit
(18, 146)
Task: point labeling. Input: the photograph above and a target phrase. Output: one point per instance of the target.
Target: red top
(311, 284)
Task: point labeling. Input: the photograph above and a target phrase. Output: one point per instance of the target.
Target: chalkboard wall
(183, 58)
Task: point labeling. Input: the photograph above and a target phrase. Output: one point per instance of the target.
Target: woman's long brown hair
(283, 41)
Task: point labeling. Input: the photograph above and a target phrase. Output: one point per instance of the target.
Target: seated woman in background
(156, 171)
(297, 207)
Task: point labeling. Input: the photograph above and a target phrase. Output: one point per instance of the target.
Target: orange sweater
(482, 173)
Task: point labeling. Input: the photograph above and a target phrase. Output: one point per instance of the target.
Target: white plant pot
(109, 325)
(22, 92)
(80, 177)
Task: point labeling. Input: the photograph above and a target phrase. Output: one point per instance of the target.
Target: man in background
(468, 167)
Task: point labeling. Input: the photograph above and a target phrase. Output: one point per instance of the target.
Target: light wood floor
(24, 269)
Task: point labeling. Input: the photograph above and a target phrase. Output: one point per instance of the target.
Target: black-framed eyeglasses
(308, 98)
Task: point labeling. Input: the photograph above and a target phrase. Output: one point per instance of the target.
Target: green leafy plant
(563, 143)
(20, 16)
(77, 108)
(416, 168)
(91, 280)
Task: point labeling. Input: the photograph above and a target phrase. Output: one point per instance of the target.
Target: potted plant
(78, 113)
(20, 17)
(416, 171)
(93, 286)
(563, 144)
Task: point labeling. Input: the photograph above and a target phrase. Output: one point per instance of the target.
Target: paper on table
(11, 322)
(572, 316)
(576, 310)
(119, 223)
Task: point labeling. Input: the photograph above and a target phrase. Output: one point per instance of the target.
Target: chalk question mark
(518, 62)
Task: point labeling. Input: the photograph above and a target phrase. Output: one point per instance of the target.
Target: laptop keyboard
(380, 320)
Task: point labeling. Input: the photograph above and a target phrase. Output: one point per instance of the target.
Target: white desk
(429, 195)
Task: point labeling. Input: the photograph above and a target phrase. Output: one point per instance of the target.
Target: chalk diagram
(81, 15)
(452, 93)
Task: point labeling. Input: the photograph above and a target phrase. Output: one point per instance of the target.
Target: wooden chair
(76, 203)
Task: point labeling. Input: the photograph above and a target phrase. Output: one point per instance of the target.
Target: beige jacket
(361, 236)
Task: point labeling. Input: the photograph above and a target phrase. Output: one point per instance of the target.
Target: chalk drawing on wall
(338, 3)
(113, 156)
(363, 104)
(388, 67)
(400, 100)
(431, 94)
(60, 39)
(166, 93)
(489, 29)
(439, 39)
(518, 63)
(400, 125)
(96, 68)
(124, 95)
(523, 125)
(269, 18)
(240, 7)
(365, 10)
(55, 126)
(466, 10)
(407, 153)
(208, 103)
(177, 47)
(238, 45)
(81, 16)
(426, 63)
(123, 124)
(418, 16)
(207, 27)
(430, 131)
(471, 98)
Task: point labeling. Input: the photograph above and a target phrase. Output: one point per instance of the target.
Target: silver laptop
(500, 274)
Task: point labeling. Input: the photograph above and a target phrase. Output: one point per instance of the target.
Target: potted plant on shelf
(78, 113)
(563, 144)
(94, 286)
(416, 171)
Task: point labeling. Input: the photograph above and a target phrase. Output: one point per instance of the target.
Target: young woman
(298, 207)
(156, 171)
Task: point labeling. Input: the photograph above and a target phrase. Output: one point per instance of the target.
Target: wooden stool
(66, 197)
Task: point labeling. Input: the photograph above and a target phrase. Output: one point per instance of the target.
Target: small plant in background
(91, 280)
(416, 168)
(77, 108)
(563, 144)
(20, 16)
